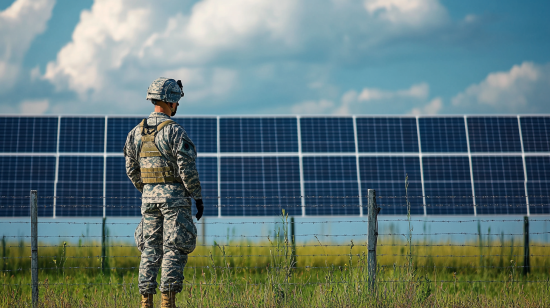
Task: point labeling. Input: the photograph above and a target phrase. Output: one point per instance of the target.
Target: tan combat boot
(147, 301)
(168, 300)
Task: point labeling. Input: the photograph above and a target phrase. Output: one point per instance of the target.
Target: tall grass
(243, 274)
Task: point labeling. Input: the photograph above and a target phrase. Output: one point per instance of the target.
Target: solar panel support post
(526, 261)
(372, 238)
(34, 247)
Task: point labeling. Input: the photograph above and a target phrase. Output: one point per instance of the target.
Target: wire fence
(309, 247)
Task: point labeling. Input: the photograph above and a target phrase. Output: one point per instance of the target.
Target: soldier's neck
(158, 108)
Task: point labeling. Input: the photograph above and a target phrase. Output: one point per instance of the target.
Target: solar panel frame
(21, 174)
(499, 185)
(80, 186)
(494, 134)
(29, 134)
(260, 186)
(448, 185)
(387, 135)
(331, 185)
(387, 175)
(258, 135)
(327, 135)
(535, 131)
(442, 134)
(81, 134)
(538, 184)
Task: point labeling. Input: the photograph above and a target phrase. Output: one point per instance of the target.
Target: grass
(241, 274)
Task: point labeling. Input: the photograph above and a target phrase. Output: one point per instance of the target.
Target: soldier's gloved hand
(200, 209)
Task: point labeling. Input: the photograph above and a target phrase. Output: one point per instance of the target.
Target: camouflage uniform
(166, 233)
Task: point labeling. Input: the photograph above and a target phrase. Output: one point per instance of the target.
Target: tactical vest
(161, 172)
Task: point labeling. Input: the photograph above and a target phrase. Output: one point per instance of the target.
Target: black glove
(200, 208)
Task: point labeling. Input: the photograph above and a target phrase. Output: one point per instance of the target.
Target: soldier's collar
(159, 115)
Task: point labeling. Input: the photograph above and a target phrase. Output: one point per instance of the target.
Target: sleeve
(186, 158)
(133, 170)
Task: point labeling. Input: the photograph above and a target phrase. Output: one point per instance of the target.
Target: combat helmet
(165, 89)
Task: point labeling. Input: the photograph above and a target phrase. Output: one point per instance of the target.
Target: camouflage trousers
(165, 236)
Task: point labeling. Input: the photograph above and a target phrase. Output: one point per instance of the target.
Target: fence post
(526, 263)
(34, 247)
(203, 231)
(3, 252)
(372, 237)
(103, 245)
(293, 241)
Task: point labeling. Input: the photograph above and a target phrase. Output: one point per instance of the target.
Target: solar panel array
(257, 166)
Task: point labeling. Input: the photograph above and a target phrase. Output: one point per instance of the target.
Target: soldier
(160, 162)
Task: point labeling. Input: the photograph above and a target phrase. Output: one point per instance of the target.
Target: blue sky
(276, 57)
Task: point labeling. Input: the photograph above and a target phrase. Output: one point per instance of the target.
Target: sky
(259, 57)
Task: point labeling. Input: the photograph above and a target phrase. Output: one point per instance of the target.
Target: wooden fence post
(293, 241)
(526, 263)
(372, 238)
(34, 247)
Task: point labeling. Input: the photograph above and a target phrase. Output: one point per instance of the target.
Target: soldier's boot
(147, 301)
(168, 300)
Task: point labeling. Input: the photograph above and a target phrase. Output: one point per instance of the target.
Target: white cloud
(313, 107)
(433, 107)
(34, 106)
(374, 100)
(120, 46)
(524, 88)
(417, 91)
(418, 14)
(20, 23)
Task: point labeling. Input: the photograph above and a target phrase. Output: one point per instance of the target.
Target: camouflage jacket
(173, 143)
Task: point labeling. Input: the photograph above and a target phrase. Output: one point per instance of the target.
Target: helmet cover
(164, 89)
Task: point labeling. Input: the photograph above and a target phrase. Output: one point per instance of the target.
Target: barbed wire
(274, 236)
(291, 255)
(282, 222)
(283, 267)
(297, 206)
(303, 245)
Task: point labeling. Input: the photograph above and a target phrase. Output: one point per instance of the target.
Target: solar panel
(538, 184)
(21, 174)
(536, 134)
(499, 185)
(387, 176)
(208, 175)
(202, 131)
(80, 186)
(443, 135)
(448, 185)
(122, 198)
(28, 134)
(397, 135)
(260, 135)
(82, 135)
(255, 183)
(331, 186)
(332, 135)
(252, 186)
(494, 134)
(117, 131)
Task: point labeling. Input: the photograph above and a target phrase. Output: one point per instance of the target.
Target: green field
(265, 274)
